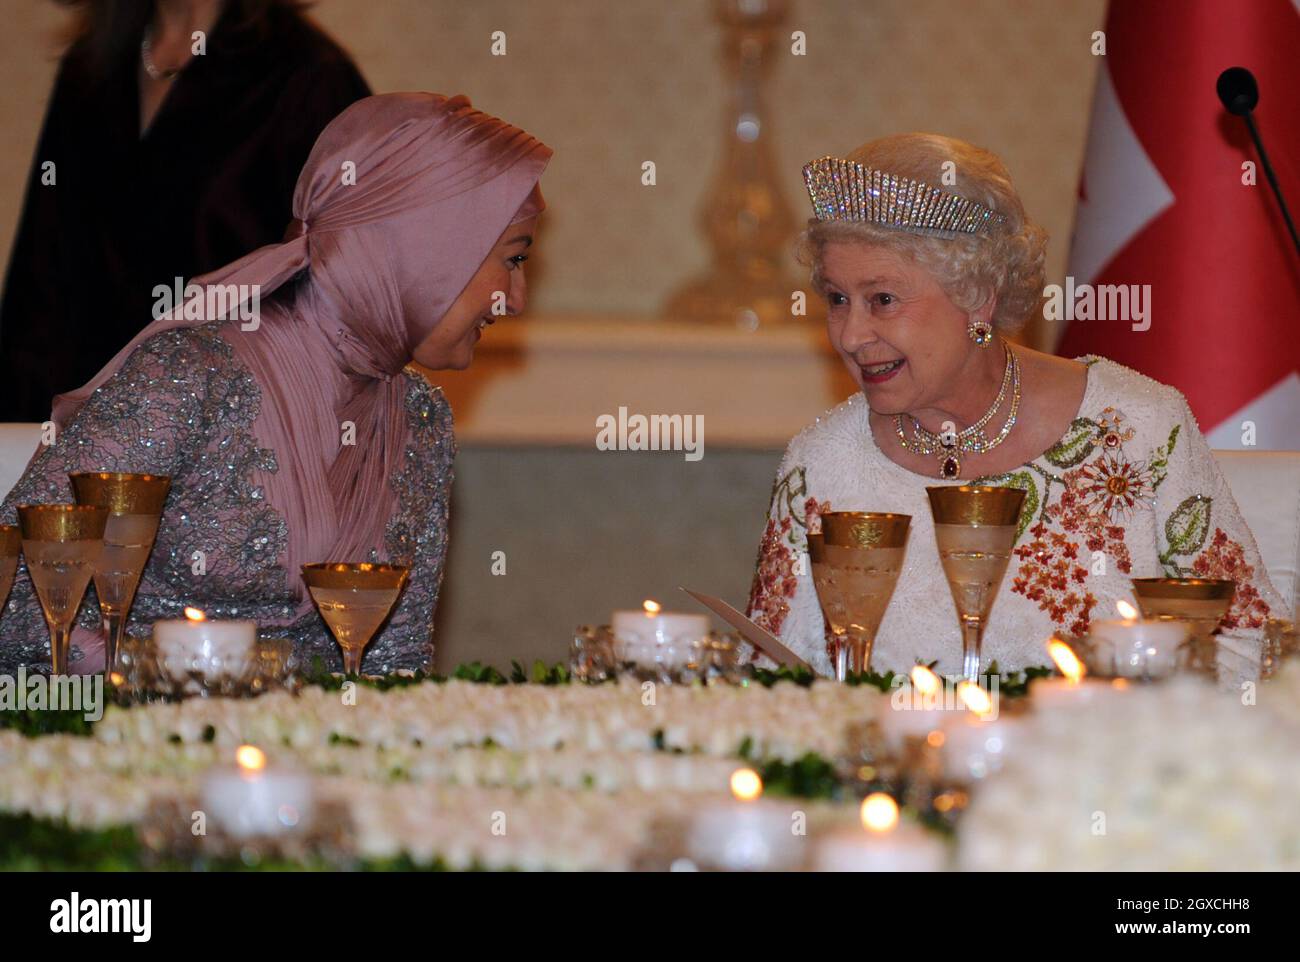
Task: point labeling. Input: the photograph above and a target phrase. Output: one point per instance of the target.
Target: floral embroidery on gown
(1130, 490)
(183, 404)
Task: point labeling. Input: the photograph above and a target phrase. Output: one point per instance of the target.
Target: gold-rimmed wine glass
(855, 565)
(354, 599)
(1199, 602)
(135, 504)
(11, 546)
(975, 529)
(62, 543)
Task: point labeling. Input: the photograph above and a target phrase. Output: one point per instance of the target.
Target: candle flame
(195, 614)
(879, 812)
(746, 785)
(975, 698)
(250, 759)
(1126, 611)
(652, 607)
(924, 680)
(1066, 660)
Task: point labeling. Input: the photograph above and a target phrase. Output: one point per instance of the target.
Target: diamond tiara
(845, 190)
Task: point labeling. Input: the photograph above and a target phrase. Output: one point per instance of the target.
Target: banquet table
(541, 771)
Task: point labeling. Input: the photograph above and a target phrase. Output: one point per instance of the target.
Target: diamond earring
(981, 332)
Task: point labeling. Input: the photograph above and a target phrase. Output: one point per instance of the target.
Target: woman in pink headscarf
(291, 424)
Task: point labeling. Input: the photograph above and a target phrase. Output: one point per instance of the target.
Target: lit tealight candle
(652, 634)
(748, 834)
(976, 742)
(913, 711)
(1072, 688)
(1137, 647)
(883, 844)
(195, 643)
(250, 800)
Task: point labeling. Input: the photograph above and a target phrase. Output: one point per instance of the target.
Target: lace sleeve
(417, 534)
(783, 599)
(141, 420)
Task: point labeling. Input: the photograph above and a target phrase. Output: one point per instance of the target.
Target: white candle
(904, 714)
(913, 710)
(882, 844)
(653, 634)
(1139, 648)
(193, 643)
(1072, 689)
(974, 747)
(248, 799)
(745, 835)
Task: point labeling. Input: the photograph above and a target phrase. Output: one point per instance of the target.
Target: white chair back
(1266, 485)
(17, 444)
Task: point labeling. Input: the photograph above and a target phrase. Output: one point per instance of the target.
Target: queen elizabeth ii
(922, 284)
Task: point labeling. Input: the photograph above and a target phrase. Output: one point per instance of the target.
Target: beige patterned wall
(612, 84)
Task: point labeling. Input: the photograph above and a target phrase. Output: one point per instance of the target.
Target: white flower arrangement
(575, 772)
(785, 721)
(1172, 776)
(1169, 777)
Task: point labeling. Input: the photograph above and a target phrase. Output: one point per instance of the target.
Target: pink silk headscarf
(401, 200)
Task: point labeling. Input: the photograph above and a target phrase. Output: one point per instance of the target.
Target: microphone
(1238, 90)
(1239, 93)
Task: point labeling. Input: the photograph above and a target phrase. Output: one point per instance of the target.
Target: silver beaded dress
(183, 405)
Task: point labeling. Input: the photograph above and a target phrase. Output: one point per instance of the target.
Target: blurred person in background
(163, 155)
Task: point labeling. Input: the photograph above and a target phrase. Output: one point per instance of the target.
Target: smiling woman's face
(451, 343)
(900, 336)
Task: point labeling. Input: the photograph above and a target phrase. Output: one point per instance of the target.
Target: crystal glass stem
(60, 644)
(114, 631)
(841, 656)
(860, 645)
(972, 639)
(852, 653)
(352, 660)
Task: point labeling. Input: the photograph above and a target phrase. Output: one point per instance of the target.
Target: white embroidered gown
(1131, 490)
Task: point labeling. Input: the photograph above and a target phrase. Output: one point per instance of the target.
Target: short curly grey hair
(1006, 264)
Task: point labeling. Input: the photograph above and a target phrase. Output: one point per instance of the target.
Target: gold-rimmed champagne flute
(830, 598)
(62, 543)
(11, 546)
(135, 504)
(1199, 602)
(354, 599)
(975, 529)
(855, 565)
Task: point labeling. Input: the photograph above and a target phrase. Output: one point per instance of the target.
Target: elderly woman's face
(903, 340)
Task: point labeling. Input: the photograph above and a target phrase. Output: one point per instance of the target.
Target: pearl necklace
(949, 445)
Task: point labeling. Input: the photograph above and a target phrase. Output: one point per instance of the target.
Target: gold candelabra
(747, 222)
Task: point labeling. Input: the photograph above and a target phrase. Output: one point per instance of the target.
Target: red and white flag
(1173, 197)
